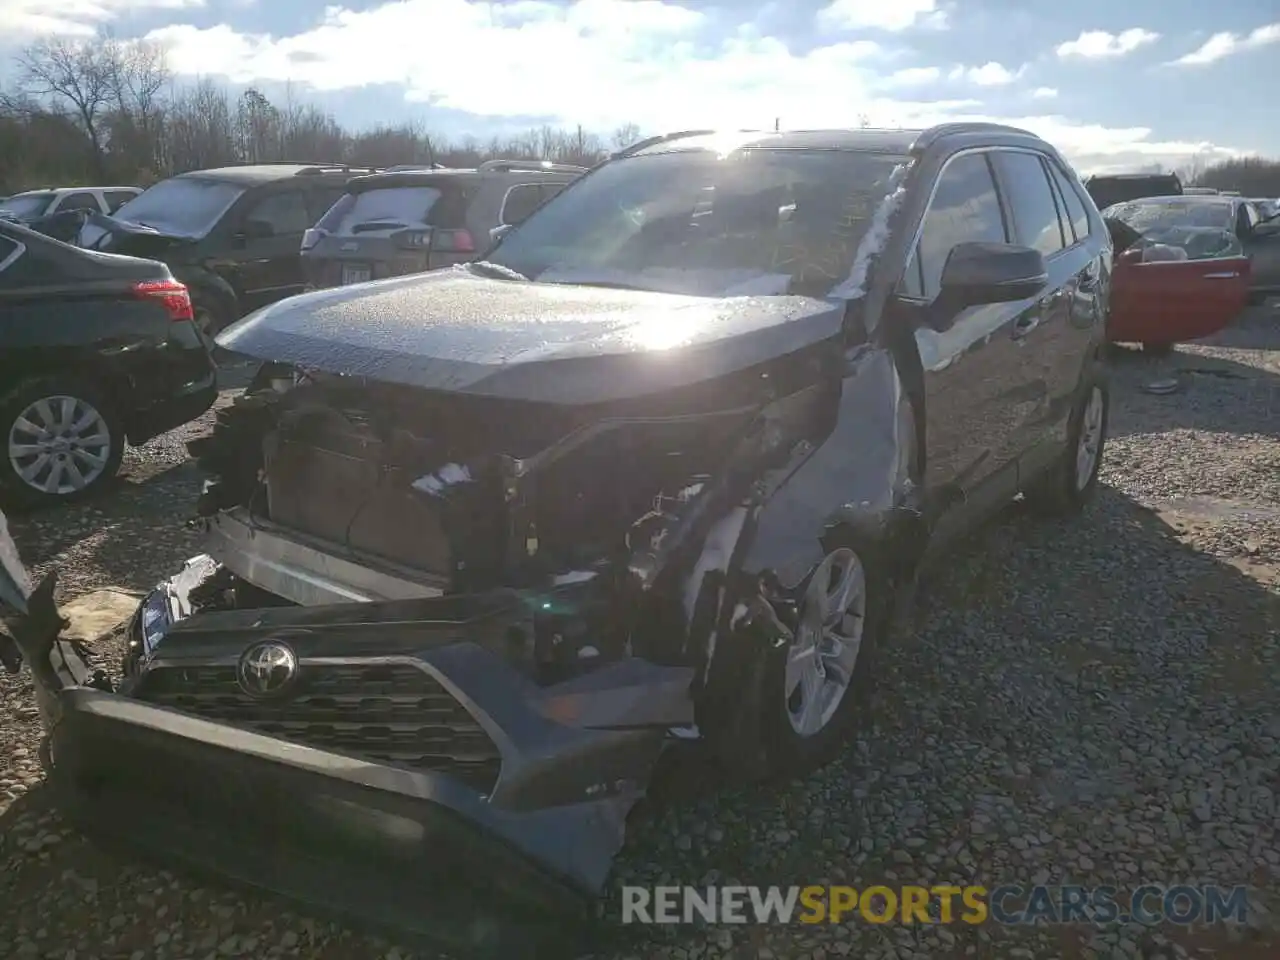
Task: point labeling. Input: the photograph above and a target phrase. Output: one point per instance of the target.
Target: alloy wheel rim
(59, 445)
(821, 660)
(1090, 442)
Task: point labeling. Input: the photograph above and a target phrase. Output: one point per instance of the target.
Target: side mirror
(500, 231)
(976, 274)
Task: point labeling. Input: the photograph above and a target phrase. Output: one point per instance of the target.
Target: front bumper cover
(405, 849)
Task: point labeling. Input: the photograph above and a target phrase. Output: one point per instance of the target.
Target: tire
(1069, 484)
(789, 745)
(81, 462)
(212, 314)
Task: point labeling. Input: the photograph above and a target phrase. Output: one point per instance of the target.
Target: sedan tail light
(171, 293)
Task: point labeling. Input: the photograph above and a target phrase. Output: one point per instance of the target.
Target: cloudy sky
(1114, 85)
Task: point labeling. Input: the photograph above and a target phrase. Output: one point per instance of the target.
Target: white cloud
(1044, 93)
(28, 19)
(912, 77)
(657, 64)
(882, 15)
(990, 74)
(1224, 44)
(1099, 45)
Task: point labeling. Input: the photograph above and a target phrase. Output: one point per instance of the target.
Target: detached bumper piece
(351, 839)
(427, 786)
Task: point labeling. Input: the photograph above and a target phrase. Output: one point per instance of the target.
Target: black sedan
(95, 350)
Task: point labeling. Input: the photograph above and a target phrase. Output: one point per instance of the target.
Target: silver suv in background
(34, 204)
(410, 219)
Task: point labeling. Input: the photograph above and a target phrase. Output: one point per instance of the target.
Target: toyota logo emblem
(267, 669)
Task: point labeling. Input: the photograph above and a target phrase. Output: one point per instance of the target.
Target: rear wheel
(63, 440)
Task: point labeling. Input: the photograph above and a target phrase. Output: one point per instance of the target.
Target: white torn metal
(573, 576)
(446, 476)
(874, 240)
(717, 550)
(690, 732)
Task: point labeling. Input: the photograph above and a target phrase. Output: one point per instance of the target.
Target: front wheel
(63, 440)
(1068, 485)
(812, 689)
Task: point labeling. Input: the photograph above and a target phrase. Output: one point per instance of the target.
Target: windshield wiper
(496, 270)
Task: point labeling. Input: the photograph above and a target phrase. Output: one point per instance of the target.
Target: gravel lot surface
(1094, 701)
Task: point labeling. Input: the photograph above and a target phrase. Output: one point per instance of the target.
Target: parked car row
(243, 237)
(94, 350)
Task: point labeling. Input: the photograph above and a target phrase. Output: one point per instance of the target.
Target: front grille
(392, 713)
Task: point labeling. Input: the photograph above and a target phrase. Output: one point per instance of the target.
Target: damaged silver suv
(483, 542)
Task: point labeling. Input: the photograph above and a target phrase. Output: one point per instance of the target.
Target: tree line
(109, 112)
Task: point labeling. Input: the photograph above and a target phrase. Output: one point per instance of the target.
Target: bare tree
(624, 136)
(78, 74)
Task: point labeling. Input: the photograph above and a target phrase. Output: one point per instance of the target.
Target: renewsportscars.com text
(941, 903)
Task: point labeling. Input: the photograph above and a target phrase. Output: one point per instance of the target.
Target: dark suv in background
(407, 220)
(231, 234)
(1122, 187)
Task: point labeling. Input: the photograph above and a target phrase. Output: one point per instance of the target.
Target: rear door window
(285, 212)
(1076, 213)
(965, 208)
(521, 200)
(382, 210)
(1035, 212)
(78, 201)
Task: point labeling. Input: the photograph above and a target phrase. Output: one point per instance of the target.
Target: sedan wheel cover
(821, 661)
(59, 445)
(1089, 445)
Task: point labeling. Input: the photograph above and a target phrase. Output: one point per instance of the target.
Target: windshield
(183, 206)
(753, 222)
(27, 204)
(384, 210)
(1146, 216)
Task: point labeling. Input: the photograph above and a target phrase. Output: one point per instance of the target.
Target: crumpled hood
(452, 330)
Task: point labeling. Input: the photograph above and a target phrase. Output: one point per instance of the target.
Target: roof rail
(656, 139)
(404, 167)
(546, 166)
(319, 168)
(675, 135)
(933, 134)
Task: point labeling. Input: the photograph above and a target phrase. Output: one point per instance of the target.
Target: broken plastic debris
(874, 240)
(446, 476)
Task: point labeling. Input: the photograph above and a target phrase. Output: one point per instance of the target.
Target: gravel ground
(1093, 701)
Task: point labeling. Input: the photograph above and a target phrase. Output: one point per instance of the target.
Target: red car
(1181, 270)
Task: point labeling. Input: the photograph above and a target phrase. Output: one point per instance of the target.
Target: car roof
(1134, 176)
(1200, 199)
(258, 173)
(897, 142)
(40, 190)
